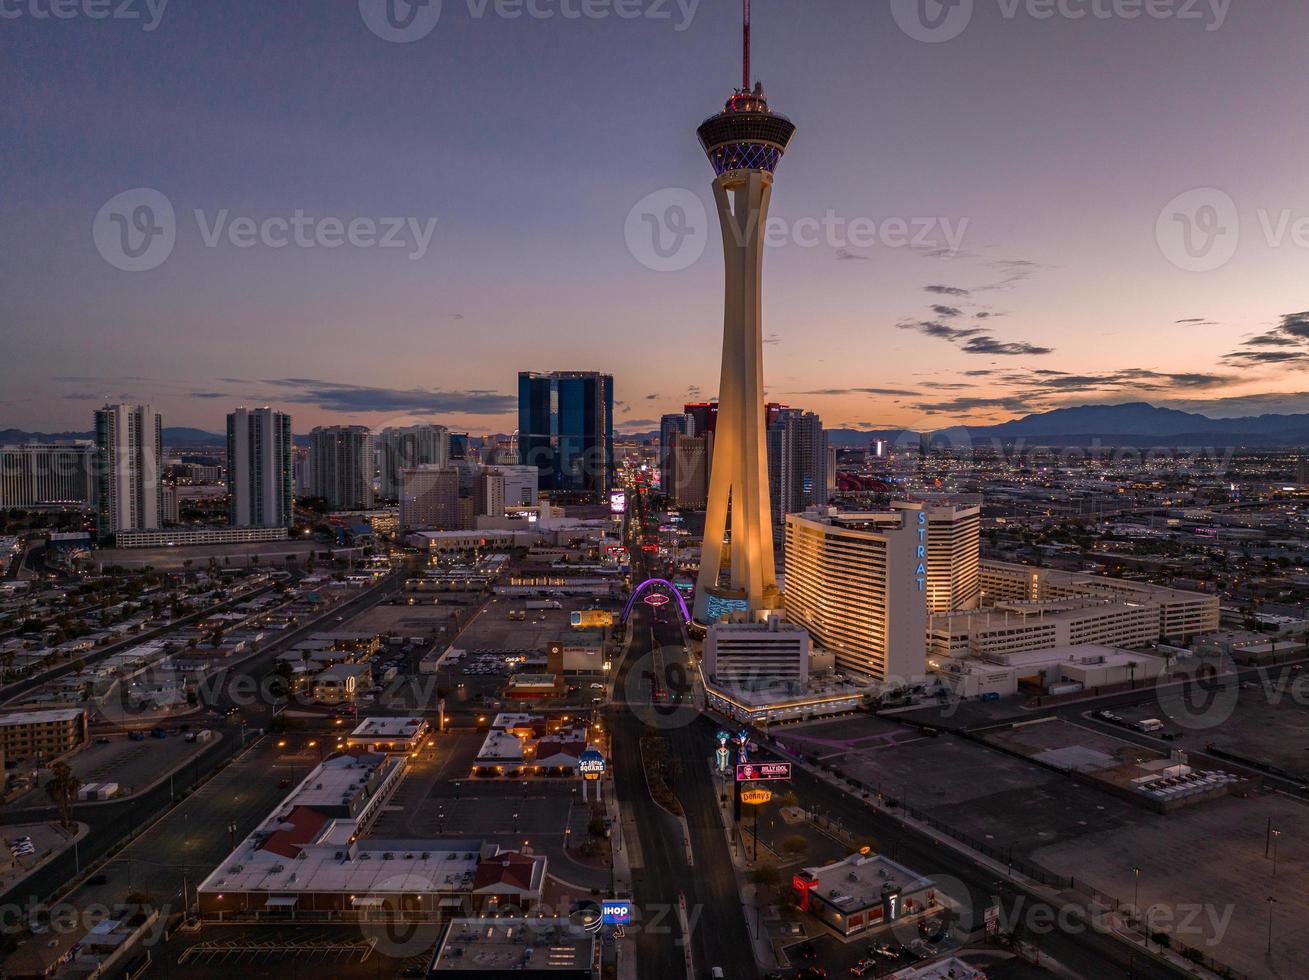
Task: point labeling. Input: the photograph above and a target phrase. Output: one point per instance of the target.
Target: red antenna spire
(745, 50)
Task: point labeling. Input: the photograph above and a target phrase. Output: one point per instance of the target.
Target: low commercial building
(950, 968)
(580, 654)
(175, 537)
(312, 859)
(404, 736)
(1053, 670)
(45, 734)
(864, 893)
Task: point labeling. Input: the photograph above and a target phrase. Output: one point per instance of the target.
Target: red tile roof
(509, 869)
(304, 824)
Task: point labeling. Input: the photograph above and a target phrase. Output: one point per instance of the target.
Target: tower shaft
(739, 477)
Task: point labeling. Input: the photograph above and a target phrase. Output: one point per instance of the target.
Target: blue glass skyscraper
(566, 430)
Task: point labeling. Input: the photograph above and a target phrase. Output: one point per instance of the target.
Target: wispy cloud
(341, 397)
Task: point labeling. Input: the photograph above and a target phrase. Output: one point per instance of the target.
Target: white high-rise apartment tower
(130, 468)
(260, 478)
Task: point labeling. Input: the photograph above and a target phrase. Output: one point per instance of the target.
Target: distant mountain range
(180, 437)
(1136, 424)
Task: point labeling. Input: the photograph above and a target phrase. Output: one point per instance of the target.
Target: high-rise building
(797, 462)
(342, 464)
(566, 430)
(490, 499)
(40, 474)
(688, 470)
(520, 484)
(675, 422)
(857, 583)
(744, 143)
(953, 555)
(172, 512)
(130, 492)
(429, 499)
(704, 414)
(260, 476)
(460, 447)
(409, 448)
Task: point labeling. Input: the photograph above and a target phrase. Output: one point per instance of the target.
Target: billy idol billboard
(762, 770)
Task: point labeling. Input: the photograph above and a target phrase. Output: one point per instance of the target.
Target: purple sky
(1047, 150)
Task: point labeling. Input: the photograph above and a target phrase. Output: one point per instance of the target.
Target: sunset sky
(1053, 146)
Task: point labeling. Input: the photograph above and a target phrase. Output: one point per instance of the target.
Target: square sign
(762, 770)
(616, 913)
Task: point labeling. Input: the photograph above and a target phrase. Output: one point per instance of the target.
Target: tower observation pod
(744, 142)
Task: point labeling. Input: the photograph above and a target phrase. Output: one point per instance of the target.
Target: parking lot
(132, 765)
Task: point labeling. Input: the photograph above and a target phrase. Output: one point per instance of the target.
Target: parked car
(136, 736)
(102, 740)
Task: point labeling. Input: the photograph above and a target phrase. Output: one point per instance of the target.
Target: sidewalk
(751, 908)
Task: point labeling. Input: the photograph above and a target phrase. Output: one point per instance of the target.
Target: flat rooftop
(536, 945)
(39, 717)
(858, 881)
(383, 727)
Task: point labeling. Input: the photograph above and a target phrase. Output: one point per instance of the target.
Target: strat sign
(763, 770)
(920, 573)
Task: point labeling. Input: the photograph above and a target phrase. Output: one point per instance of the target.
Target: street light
(1136, 894)
(1276, 834)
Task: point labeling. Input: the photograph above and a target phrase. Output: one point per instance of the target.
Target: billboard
(763, 770)
(592, 618)
(618, 501)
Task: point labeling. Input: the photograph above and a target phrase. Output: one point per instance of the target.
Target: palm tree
(62, 789)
